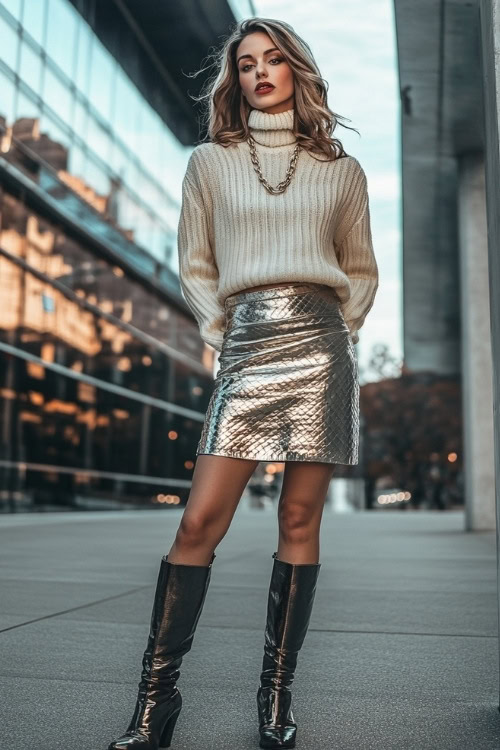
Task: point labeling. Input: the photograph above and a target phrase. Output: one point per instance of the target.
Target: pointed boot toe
(158, 736)
(277, 737)
(277, 726)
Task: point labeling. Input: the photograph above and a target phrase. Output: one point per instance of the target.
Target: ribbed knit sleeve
(198, 272)
(354, 248)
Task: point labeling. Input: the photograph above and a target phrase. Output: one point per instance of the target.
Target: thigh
(217, 486)
(305, 484)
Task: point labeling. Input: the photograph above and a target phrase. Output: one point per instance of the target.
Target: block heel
(166, 737)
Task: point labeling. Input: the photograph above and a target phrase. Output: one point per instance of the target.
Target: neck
(272, 129)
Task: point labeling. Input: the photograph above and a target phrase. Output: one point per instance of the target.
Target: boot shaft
(179, 598)
(292, 590)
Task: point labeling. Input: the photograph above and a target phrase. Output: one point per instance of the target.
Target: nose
(260, 70)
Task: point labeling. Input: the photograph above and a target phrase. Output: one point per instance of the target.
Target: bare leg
(300, 509)
(218, 483)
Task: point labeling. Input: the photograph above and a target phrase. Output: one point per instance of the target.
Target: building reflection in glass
(68, 100)
(104, 380)
(102, 386)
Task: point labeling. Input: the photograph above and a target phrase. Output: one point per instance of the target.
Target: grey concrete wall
(477, 389)
(441, 118)
(490, 46)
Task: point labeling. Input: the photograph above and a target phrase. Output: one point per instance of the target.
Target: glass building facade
(104, 380)
(69, 99)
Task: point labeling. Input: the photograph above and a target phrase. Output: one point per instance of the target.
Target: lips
(264, 87)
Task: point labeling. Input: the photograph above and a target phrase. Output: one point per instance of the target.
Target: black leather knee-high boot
(291, 596)
(178, 602)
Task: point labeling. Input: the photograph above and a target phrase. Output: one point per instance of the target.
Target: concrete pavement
(401, 654)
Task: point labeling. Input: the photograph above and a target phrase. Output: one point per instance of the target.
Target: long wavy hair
(226, 110)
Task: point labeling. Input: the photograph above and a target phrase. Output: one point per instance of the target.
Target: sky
(354, 46)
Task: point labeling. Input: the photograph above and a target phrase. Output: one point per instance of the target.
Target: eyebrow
(266, 52)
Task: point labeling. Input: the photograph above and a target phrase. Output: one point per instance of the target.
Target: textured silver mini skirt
(287, 387)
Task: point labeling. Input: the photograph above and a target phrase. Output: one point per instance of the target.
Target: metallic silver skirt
(287, 387)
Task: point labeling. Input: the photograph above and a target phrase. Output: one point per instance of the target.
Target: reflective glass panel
(61, 35)
(82, 67)
(98, 139)
(7, 99)
(102, 69)
(57, 95)
(34, 19)
(14, 7)
(26, 107)
(10, 44)
(30, 67)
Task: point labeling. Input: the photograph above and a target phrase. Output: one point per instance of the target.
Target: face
(259, 61)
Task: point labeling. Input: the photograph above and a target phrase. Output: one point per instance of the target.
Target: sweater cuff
(353, 332)
(214, 341)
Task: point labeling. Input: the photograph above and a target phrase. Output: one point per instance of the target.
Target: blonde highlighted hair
(227, 110)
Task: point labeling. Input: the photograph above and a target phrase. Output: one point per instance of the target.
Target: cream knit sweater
(233, 234)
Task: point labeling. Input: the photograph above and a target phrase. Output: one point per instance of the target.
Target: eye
(248, 65)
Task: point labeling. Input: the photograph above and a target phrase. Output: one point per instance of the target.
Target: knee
(194, 529)
(295, 522)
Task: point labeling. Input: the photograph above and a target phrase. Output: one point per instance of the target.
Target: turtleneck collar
(271, 129)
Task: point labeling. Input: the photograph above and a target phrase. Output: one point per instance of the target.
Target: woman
(280, 279)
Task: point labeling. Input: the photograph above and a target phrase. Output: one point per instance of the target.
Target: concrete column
(477, 389)
(490, 51)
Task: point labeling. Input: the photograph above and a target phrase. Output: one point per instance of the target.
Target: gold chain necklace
(281, 186)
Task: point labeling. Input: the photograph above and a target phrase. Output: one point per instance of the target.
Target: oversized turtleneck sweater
(233, 234)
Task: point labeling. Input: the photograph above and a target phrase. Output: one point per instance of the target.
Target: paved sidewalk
(401, 654)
